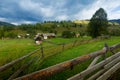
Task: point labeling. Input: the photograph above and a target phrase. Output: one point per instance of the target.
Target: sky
(32, 11)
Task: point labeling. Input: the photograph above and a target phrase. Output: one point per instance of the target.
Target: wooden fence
(44, 52)
(107, 67)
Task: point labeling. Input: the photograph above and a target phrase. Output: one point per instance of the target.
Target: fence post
(42, 51)
(111, 50)
(107, 49)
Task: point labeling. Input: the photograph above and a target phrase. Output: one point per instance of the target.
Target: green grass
(12, 49)
(16, 48)
(67, 40)
(75, 52)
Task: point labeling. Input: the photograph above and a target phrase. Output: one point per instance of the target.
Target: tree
(98, 23)
(1, 32)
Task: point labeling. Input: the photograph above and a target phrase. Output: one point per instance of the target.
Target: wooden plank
(21, 69)
(96, 75)
(105, 68)
(95, 67)
(94, 62)
(115, 46)
(42, 74)
(108, 73)
(10, 64)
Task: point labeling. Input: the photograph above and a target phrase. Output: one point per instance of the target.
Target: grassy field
(16, 48)
(80, 50)
(67, 40)
(75, 52)
(12, 49)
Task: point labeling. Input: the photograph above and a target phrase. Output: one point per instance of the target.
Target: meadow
(75, 52)
(15, 48)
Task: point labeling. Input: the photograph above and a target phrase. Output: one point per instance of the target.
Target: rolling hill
(5, 24)
(111, 22)
(115, 20)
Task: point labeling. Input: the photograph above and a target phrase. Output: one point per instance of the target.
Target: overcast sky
(30, 11)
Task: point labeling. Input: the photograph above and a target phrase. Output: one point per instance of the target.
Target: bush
(114, 31)
(10, 35)
(1, 33)
(68, 34)
(82, 33)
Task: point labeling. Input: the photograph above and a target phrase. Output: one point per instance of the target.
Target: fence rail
(44, 73)
(44, 52)
(6, 66)
(95, 67)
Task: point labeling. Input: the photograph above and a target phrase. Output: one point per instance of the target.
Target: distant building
(38, 39)
(77, 35)
(19, 36)
(27, 35)
(48, 35)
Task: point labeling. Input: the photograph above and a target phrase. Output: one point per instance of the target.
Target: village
(39, 37)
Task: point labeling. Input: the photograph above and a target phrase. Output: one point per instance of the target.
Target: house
(48, 35)
(38, 39)
(19, 36)
(27, 35)
(77, 35)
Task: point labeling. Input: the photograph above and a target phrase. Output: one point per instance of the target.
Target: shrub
(114, 31)
(68, 34)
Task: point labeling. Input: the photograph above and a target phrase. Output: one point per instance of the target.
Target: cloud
(23, 22)
(37, 8)
(108, 5)
(30, 11)
(3, 19)
(62, 17)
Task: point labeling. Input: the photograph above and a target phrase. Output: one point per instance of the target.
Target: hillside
(81, 21)
(5, 24)
(115, 20)
(85, 22)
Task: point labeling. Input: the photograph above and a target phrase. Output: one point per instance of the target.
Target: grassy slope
(85, 22)
(75, 52)
(16, 48)
(12, 49)
(67, 40)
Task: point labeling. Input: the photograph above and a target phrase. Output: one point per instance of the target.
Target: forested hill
(115, 20)
(5, 24)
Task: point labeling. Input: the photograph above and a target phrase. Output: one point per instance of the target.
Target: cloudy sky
(31, 11)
